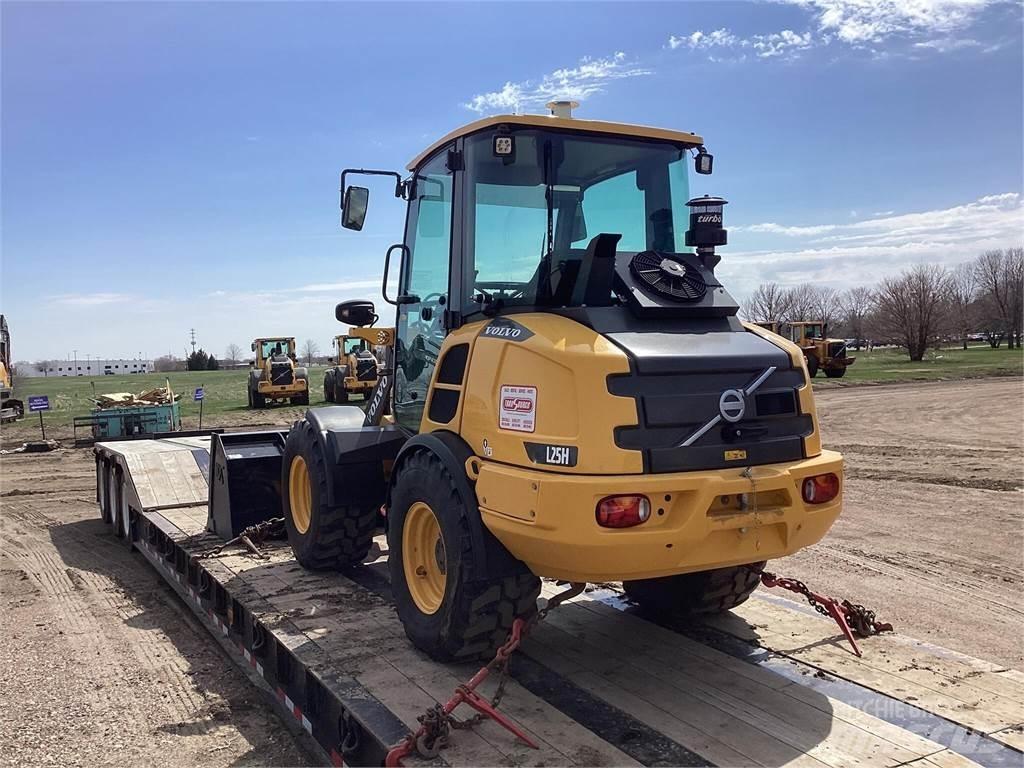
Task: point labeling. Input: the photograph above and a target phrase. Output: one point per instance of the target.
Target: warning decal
(518, 408)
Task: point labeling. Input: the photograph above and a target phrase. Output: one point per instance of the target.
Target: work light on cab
(820, 489)
(623, 511)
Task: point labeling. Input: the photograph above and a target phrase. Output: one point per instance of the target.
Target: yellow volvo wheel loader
(275, 375)
(570, 393)
(356, 371)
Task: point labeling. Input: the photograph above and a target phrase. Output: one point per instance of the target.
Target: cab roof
(624, 130)
(275, 338)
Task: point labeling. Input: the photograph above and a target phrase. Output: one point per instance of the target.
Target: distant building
(88, 368)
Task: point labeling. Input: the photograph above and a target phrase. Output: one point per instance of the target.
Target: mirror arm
(399, 185)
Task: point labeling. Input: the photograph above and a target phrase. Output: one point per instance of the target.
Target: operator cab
(531, 213)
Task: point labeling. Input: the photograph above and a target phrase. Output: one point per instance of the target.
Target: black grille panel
(672, 407)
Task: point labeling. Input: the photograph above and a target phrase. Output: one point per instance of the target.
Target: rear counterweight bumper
(699, 520)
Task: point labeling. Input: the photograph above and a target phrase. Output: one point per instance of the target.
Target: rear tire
(321, 536)
(343, 395)
(444, 614)
(835, 373)
(705, 592)
(258, 400)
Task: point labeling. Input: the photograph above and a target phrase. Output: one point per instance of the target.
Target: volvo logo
(732, 405)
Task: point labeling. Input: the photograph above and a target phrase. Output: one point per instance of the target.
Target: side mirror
(358, 313)
(353, 209)
(253, 346)
(703, 162)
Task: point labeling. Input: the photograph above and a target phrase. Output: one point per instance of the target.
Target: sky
(172, 166)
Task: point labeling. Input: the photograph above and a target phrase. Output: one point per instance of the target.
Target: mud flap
(245, 480)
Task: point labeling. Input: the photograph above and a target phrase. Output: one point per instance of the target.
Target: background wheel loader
(592, 412)
(275, 375)
(356, 372)
(822, 353)
(10, 407)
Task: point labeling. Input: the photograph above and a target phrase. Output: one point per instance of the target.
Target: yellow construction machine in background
(275, 376)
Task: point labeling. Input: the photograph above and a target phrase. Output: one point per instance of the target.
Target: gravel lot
(100, 664)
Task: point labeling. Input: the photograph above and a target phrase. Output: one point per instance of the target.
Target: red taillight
(623, 511)
(820, 488)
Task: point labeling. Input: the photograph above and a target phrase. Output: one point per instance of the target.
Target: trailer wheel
(117, 501)
(444, 614)
(103, 488)
(321, 536)
(835, 373)
(713, 591)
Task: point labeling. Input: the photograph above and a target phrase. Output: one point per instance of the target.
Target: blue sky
(169, 166)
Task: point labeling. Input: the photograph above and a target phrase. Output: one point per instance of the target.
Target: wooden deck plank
(636, 641)
(714, 735)
(811, 730)
(960, 702)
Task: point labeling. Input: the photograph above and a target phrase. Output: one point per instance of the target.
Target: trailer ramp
(595, 684)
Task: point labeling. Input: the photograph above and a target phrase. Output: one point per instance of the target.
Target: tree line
(923, 306)
(200, 360)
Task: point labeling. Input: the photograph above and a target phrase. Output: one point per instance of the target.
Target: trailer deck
(595, 684)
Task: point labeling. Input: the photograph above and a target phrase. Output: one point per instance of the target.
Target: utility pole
(76, 363)
(193, 331)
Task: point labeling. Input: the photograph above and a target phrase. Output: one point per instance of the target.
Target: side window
(425, 282)
(616, 205)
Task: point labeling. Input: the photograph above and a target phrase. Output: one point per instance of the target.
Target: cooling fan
(665, 276)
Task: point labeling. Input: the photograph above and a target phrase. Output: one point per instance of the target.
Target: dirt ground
(100, 664)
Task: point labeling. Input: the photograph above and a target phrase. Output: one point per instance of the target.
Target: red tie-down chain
(852, 619)
(436, 723)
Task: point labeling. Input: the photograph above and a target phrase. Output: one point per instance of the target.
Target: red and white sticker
(518, 410)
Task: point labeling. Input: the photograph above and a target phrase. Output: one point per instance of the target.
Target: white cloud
(783, 44)
(859, 253)
(872, 21)
(932, 25)
(89, 299)
(589, 77)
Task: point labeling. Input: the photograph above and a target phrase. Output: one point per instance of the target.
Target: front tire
(835, 373)
(812, 366)
(329, 386)
(705, 592)
(321, 536)
(444, 614)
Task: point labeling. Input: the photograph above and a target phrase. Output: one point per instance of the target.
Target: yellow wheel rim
(299, 494)
(423, 557)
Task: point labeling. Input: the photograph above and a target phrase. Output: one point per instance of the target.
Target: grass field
(224, 391)
(891, 365)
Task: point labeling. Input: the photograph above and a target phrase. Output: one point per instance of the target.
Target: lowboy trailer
(595, 683)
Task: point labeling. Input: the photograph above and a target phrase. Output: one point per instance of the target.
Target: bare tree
(1001, 278)
(802, 303)
(963, 290)
(42, 366)
(768, 304)
(826, 305)
(856, 305)
(911, 306)
(310, 349)
(167, 363)
(233, 354)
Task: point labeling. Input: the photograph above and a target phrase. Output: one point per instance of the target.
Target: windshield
(272, 347)
(353, 345)
(531, 215)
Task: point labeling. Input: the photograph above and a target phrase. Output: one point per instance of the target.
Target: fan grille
(668, 277)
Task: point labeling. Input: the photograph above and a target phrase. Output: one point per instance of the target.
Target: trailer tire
(321, 536)
(444, 614)
(117, 502)
(835, 373)
(714, 591)
(103, 488)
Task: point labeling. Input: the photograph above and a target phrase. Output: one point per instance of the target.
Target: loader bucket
(245, 480)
